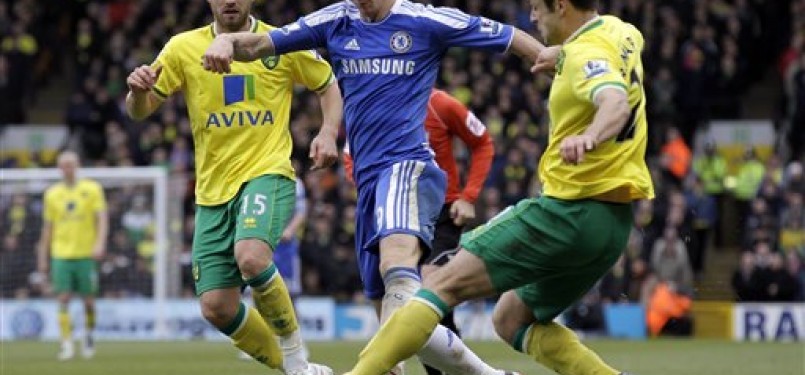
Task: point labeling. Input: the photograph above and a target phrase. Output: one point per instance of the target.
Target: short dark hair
(580, 4)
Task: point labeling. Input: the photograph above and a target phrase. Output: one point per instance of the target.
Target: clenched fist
(143, 79)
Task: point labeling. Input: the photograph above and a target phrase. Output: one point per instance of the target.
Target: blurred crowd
(701, 57)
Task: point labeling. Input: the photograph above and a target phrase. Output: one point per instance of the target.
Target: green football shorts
(79, 276)
(260, 210)
(552, 251)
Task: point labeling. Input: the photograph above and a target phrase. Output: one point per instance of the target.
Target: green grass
(662, 357)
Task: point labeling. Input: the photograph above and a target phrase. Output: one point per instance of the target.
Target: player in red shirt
(447, 119)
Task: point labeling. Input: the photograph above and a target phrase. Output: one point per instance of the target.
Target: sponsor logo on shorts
(250, 223)
(196, 272)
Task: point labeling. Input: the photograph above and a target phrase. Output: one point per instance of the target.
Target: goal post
(155, 180)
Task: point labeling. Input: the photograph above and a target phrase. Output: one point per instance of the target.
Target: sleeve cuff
(598, 88)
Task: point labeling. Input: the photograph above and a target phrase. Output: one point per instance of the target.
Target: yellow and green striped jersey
(240, 120)
(72, 212)
(603, 53)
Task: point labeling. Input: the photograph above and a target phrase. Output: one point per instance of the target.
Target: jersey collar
(589, 25)
(394, 9)
(253, 27)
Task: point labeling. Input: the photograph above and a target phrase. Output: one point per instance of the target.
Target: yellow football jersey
(72, 211)
(603, 53)
(240, 120)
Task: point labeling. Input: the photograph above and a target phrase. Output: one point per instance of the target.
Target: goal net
(136, 265)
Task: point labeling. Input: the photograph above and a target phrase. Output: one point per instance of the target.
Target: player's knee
(252, 257)
(505, 327)
(399, 250)
(217, 311)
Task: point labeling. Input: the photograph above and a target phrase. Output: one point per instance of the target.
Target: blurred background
(718, 253)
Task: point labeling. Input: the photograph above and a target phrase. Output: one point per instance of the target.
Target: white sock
(294, 355)
(446, 352)
(401, 284)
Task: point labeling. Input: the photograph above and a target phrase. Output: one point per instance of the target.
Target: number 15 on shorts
(254, 204)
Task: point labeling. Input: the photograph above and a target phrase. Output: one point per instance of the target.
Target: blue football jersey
(386, 70)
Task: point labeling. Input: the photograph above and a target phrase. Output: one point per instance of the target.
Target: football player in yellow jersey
(245, 185)
(74, 233)
(544, 253)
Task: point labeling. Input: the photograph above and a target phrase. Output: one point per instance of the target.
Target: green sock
(560, 350)
(403, 335)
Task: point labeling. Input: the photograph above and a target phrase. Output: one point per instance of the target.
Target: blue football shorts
(406, 198)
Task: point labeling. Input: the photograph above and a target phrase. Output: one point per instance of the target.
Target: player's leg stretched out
(390, 271)
(445, 245)
(506, 255)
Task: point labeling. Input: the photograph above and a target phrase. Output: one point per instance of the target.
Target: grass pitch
(658, 357)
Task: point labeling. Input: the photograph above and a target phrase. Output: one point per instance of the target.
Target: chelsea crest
(401, 42)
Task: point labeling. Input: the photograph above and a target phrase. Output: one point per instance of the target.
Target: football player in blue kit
(386, 55)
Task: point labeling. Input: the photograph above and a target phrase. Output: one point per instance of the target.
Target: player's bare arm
(243, 46)
(99, 250)
(462, 211)
(525, 46)
(43, 247)
(610, 118)
(140, 101)
(323, 148)
(546, 61)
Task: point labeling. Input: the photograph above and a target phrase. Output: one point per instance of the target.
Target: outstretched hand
(546, 60)
(323, 151)
(219, 55)
(574, 147)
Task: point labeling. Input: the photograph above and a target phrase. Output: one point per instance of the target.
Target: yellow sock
(272, 300)
(559, 349)
(250, 334)
(402, 336)
(65, 326)
(89, 321)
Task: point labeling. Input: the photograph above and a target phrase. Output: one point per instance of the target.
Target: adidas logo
(353, 45)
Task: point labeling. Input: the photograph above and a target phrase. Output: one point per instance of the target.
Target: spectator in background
(613, 285)
(711, 168)
(668, 312)
(744, 279)
(793, 177)
(137, 219)
(15, 266)
(669, 260)
(11, 86)
(702, 207)
(795, 88)
(761, 224)
(676, 156)
(796, 270)
(750, 175)
(775, 283)
(18, 214)
(19, 48)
